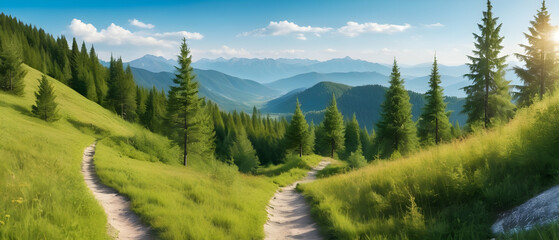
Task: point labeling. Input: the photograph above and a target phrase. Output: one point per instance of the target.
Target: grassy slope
(42, 188)
(451, 191)
(44, 196)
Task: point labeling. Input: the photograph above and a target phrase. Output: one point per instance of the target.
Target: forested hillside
(363, 101)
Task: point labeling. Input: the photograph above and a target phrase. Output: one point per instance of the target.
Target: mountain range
(230, 93)
(267, 70)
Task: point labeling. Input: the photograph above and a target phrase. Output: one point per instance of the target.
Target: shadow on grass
(89, 129)
(20, 109)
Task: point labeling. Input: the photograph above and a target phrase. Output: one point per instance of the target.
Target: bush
(356, 160)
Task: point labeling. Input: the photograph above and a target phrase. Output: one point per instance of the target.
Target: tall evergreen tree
(298, 131)
(242, 153)
(155, 111)
(45, 107)
(434, 126)
(488, 100)
(98, 73)
(183, 102)
(11, 70)
(352, 136)
(396, 130)
(333, 128)
(541, 72)
(77, 68)
(122, 90)
(311, 138)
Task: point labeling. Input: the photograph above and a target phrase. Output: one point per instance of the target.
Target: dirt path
(540, 210)
(289, 214)
(117, 207)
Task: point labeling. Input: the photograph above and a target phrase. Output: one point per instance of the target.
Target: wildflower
(2, 223)
(7, 215)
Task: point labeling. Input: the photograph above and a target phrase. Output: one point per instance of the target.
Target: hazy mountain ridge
(230, 93)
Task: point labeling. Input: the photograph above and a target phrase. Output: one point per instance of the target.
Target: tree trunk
(486, 102)
(542, 80)
(300, 149)
(185, 141)
(436, 130)
(332, 150)
(122, 110)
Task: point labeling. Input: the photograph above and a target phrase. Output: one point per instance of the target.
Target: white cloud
(185, 34)
(135, 22)
(353, 29)
(301, 36)
(282, 28)
(330, 50)
(434, 25)
(117, 35)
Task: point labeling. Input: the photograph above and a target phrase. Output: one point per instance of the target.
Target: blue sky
(375, 31)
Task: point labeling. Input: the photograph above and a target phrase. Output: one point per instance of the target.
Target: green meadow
(452, 191)
(44, 195)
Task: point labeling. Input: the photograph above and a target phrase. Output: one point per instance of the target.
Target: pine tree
(488, 100)
(45, 107)
(122, 90)
(311, 139)
(333, 127)
(11, 70)
(541, 72)
(183, 102)
(396, 130)
(242, 153)
(99, 74)
(155, 111)
(297, 133)
(434, 126)
(352, 136)
(76, 66)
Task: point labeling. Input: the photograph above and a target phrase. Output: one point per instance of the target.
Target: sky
(378, 31)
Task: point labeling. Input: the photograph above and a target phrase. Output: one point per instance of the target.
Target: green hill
(44, 195)
(307, 80)
(364, 101)
(452, 191)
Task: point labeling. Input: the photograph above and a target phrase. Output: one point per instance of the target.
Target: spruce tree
(183, 102)
(99, 74)
(298, 131)
(77, 68)
(45, 107)
(541, 71)
(434, 126)
(488, 100)
(122, 90)
(333, 128)
(155, 111)
(11, 70)
(243, 153)
(396, 130)
(352, 136)
(311, 139)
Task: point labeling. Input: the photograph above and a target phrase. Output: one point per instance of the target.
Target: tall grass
(453, 191)
(292, 169)
(181, 203)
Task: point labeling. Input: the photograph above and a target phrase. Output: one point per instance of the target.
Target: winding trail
(117, 207)
(289, 214)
